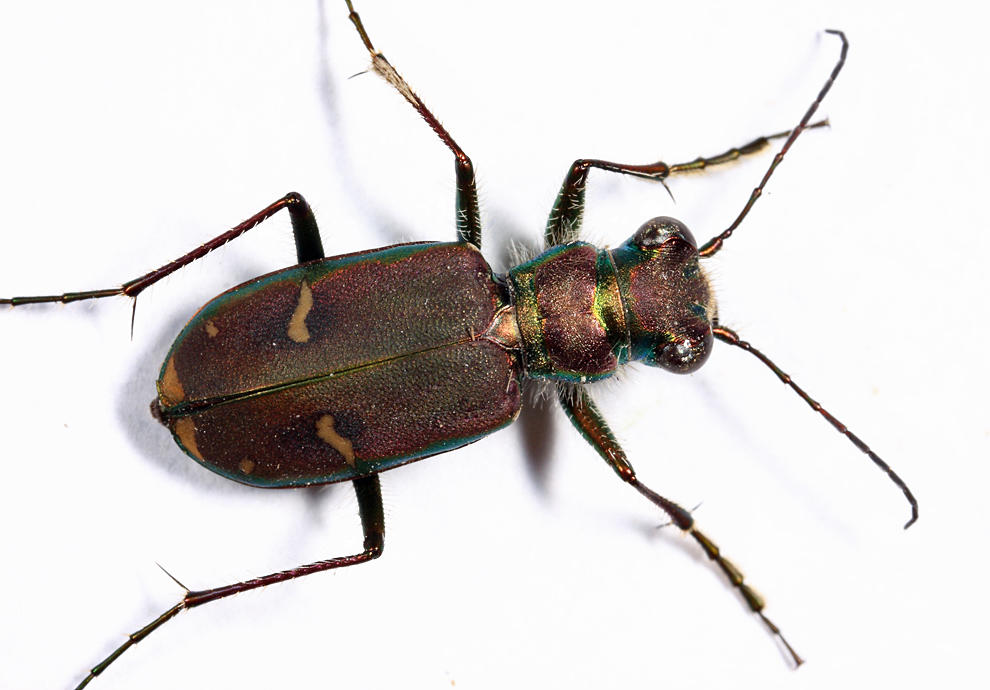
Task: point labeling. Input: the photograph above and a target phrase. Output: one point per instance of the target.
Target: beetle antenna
(133, 314)
(727, 335)
(714, 244)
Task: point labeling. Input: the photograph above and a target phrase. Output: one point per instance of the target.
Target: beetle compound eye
(684, 355)
(655, 232)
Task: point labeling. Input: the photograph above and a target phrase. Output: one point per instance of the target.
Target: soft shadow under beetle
(288, 380)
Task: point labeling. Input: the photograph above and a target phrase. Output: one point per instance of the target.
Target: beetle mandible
(292, 363)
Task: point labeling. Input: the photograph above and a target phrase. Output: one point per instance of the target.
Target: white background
(129, 136)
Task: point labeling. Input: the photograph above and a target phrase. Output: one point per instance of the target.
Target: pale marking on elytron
(325, 430)
(185, 431)
(246, 466)
(211, 329)
(297, 324)
(171, 388)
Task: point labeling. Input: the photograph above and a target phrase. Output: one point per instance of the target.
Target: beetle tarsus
(795, 657)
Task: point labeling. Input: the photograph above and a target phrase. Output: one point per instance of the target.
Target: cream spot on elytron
(211, 329)
(185, 431)
(325, 430)
(246, 466)
(170, 386)
(297, 324)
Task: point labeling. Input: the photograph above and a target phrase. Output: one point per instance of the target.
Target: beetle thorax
(570, 315)
(582, 311)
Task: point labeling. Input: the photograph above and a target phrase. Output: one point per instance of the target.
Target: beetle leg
(583, 413)
(306, 233)
(468, 215)
(308, 247)
(564, 223)
(369, 496)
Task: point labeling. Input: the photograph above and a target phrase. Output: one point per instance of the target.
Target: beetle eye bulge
(654, 233)
(684, 355)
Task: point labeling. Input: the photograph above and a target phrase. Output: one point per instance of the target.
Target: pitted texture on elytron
(342, 367)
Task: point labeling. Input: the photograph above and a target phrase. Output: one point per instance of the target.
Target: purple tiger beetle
(296, 378)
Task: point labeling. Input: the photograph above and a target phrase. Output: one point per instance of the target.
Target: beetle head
(669, 304)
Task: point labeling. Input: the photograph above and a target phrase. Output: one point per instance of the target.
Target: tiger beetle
(293, 379)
